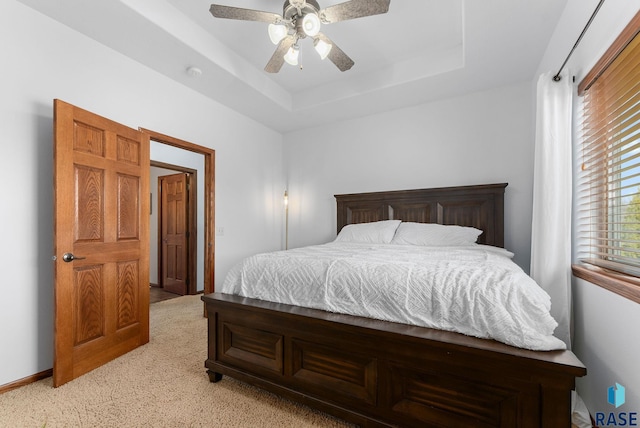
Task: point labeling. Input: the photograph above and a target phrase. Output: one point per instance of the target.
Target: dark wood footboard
(377, 373)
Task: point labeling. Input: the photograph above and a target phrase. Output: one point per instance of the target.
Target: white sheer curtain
(551, 223)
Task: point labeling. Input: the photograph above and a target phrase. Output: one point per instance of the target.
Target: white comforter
(474, 290)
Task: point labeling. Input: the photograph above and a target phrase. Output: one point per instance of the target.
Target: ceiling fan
(301, 19)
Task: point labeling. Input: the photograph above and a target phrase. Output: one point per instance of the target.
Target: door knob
(69, 257)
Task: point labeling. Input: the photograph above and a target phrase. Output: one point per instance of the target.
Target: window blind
(608, 196)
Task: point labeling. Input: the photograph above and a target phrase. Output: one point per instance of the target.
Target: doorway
(205, 247)
(173, 230)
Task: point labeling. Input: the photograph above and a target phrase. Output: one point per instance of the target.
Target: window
(609, 181)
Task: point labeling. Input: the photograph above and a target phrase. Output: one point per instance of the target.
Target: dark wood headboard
(480, 206)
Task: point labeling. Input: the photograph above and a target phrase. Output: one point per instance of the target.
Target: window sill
(621, 284)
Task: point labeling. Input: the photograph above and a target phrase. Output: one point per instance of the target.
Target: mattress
(475, 290)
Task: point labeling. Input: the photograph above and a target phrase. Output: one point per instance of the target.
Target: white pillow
(496, 250)
(378, 232)
(431, 234)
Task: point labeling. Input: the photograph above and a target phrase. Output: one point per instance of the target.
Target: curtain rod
(557, 77)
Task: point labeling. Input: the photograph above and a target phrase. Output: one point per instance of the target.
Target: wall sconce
(286, 220)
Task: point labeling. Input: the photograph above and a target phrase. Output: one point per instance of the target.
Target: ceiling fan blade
(229, 12)
(353, 9)
(337, 55)
(277, 59)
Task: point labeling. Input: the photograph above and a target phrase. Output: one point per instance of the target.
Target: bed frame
(378, 373)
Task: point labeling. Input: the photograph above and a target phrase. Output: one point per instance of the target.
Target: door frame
(192, 222)
(209, 199)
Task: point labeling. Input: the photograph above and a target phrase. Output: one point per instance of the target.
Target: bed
(374, 372)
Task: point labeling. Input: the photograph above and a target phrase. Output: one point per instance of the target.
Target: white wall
(478, 138)
(43, 60)
(607, 338)
(607, 342)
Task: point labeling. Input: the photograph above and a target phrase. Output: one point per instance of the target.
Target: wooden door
(101, 208)
(174, 232)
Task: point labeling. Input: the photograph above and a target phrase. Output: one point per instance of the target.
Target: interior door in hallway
(101, 209)
(174, 232)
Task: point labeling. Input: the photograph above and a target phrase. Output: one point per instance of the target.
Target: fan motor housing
(290, 8)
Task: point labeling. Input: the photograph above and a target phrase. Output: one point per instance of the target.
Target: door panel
(101, 188)
(174, 228)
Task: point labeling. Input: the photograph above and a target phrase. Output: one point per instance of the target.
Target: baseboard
(26, 381)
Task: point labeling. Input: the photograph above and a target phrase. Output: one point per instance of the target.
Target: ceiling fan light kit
(292, 54)
(301, 19)
(323, 48)
(277, 32)
(311, 24)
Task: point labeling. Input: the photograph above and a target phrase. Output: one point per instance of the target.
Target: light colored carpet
(161, 384)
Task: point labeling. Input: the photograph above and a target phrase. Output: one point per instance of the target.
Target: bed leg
(214, 377)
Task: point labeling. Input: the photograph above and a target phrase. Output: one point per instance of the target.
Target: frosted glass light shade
(311, 24)
(323, 48)
(291, 56)
(277, 32)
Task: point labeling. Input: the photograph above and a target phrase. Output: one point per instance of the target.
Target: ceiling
(420, 51)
